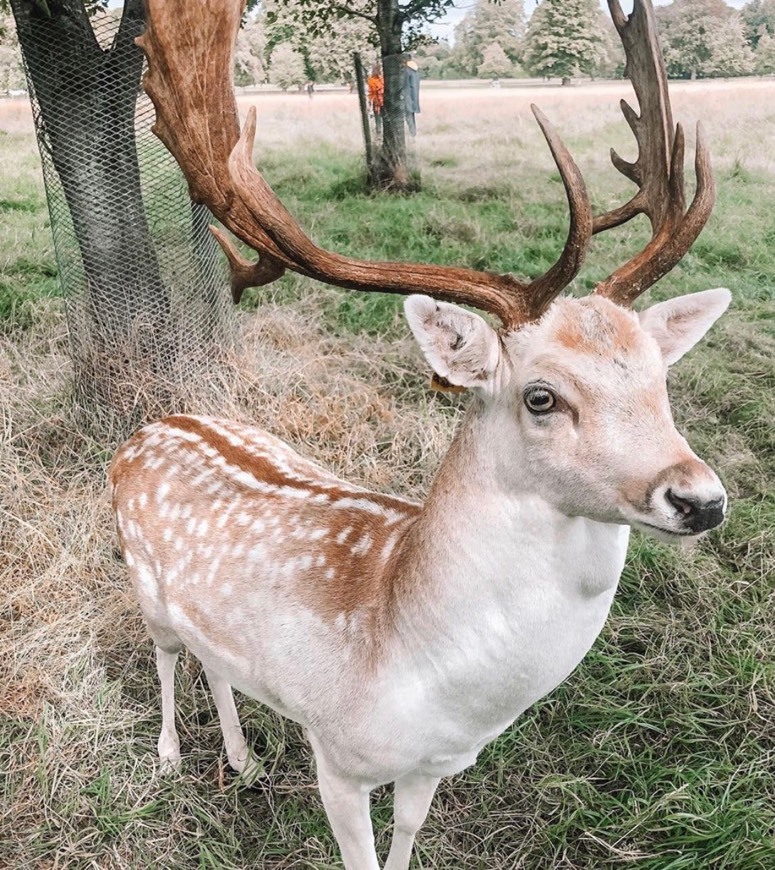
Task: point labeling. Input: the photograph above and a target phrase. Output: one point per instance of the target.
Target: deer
(403, 636)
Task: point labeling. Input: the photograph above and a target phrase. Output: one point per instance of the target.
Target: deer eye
(539, 400)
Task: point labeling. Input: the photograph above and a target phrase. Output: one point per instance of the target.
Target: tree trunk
(391, 171)
(565, 81)
(87, 97)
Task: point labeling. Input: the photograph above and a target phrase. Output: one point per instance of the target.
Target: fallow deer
(404, 637)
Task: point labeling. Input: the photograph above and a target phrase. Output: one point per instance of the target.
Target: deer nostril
(697, 514)
(682, 505)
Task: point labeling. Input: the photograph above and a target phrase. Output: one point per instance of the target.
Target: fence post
(361, 85)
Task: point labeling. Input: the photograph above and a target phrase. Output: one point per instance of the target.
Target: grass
(27, 265)
(658, 752)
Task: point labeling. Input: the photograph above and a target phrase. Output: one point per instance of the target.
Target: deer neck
(489, 557)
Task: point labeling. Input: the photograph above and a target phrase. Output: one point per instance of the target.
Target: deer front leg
(347, 807)
(413, 796)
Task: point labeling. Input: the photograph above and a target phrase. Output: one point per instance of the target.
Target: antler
(658, 171)
(190, 49)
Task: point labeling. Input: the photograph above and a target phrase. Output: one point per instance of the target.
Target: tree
(564, 38)
(84, 71)
(764, 56)
(286, 67)
(730, 54)
(759, 18)
(328, 52)
(437, 60)
(330, 55)
(495, 64)
(11, 69)
(397, 25)
(87, 98)
(486, 23)
(703, 38)
(249, 51)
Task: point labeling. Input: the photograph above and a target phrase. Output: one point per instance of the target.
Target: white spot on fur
(145, 580)
(362, 547)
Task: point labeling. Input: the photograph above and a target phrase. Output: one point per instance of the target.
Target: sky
(444, 28)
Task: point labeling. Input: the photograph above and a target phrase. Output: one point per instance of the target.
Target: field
(658, 752)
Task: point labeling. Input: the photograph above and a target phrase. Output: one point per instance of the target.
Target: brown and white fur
(404, 637)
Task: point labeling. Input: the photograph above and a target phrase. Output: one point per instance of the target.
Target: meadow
(657, 753)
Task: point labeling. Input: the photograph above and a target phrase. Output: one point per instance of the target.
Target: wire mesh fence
(145, 287)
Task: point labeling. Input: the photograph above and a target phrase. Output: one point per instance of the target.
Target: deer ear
(678, 324)
(460, 346)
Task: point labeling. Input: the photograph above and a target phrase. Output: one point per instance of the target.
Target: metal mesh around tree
(145, 285)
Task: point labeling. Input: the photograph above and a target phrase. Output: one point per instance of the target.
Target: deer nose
(697, 514)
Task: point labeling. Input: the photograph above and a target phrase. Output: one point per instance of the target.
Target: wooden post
(361, 85)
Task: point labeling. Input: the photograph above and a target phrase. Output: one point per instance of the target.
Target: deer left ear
(461, 347)
(678, 324)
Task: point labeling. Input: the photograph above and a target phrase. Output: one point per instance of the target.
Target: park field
(657, 753)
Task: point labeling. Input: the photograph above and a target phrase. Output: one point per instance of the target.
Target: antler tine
(245, 274)
(658, 170)
(190, 53)
(543, 290)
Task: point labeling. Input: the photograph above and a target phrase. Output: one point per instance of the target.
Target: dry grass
(660, 750)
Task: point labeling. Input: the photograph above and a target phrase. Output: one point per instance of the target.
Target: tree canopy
(758, 19)
(703, 38)
(564, 38)
(486, 24)
(286, 68)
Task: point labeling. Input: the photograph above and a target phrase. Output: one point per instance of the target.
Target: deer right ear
(678, 324)
(460, 346)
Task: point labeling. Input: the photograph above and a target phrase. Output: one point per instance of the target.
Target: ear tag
(442, 385)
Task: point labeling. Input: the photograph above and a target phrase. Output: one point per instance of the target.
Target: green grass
(658, 752)
(27, 265)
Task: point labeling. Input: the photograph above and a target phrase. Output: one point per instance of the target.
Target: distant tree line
(561, 39)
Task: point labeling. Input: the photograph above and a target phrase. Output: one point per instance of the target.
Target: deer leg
(236, 746)
(413, 796)
(347, 807)
(169, 743)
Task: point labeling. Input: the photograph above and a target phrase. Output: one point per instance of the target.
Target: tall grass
(658, 752)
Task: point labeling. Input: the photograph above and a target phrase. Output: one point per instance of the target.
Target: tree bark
(565, 81)
(391, 169)
(87, 97)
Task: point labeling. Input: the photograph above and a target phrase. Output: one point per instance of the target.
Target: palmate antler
(658, 171)
(190, 49)
(190, 55)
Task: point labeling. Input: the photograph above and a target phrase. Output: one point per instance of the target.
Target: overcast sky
(445, 27)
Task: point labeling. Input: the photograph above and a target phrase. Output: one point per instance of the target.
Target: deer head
(580, 408)
(577, 386)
